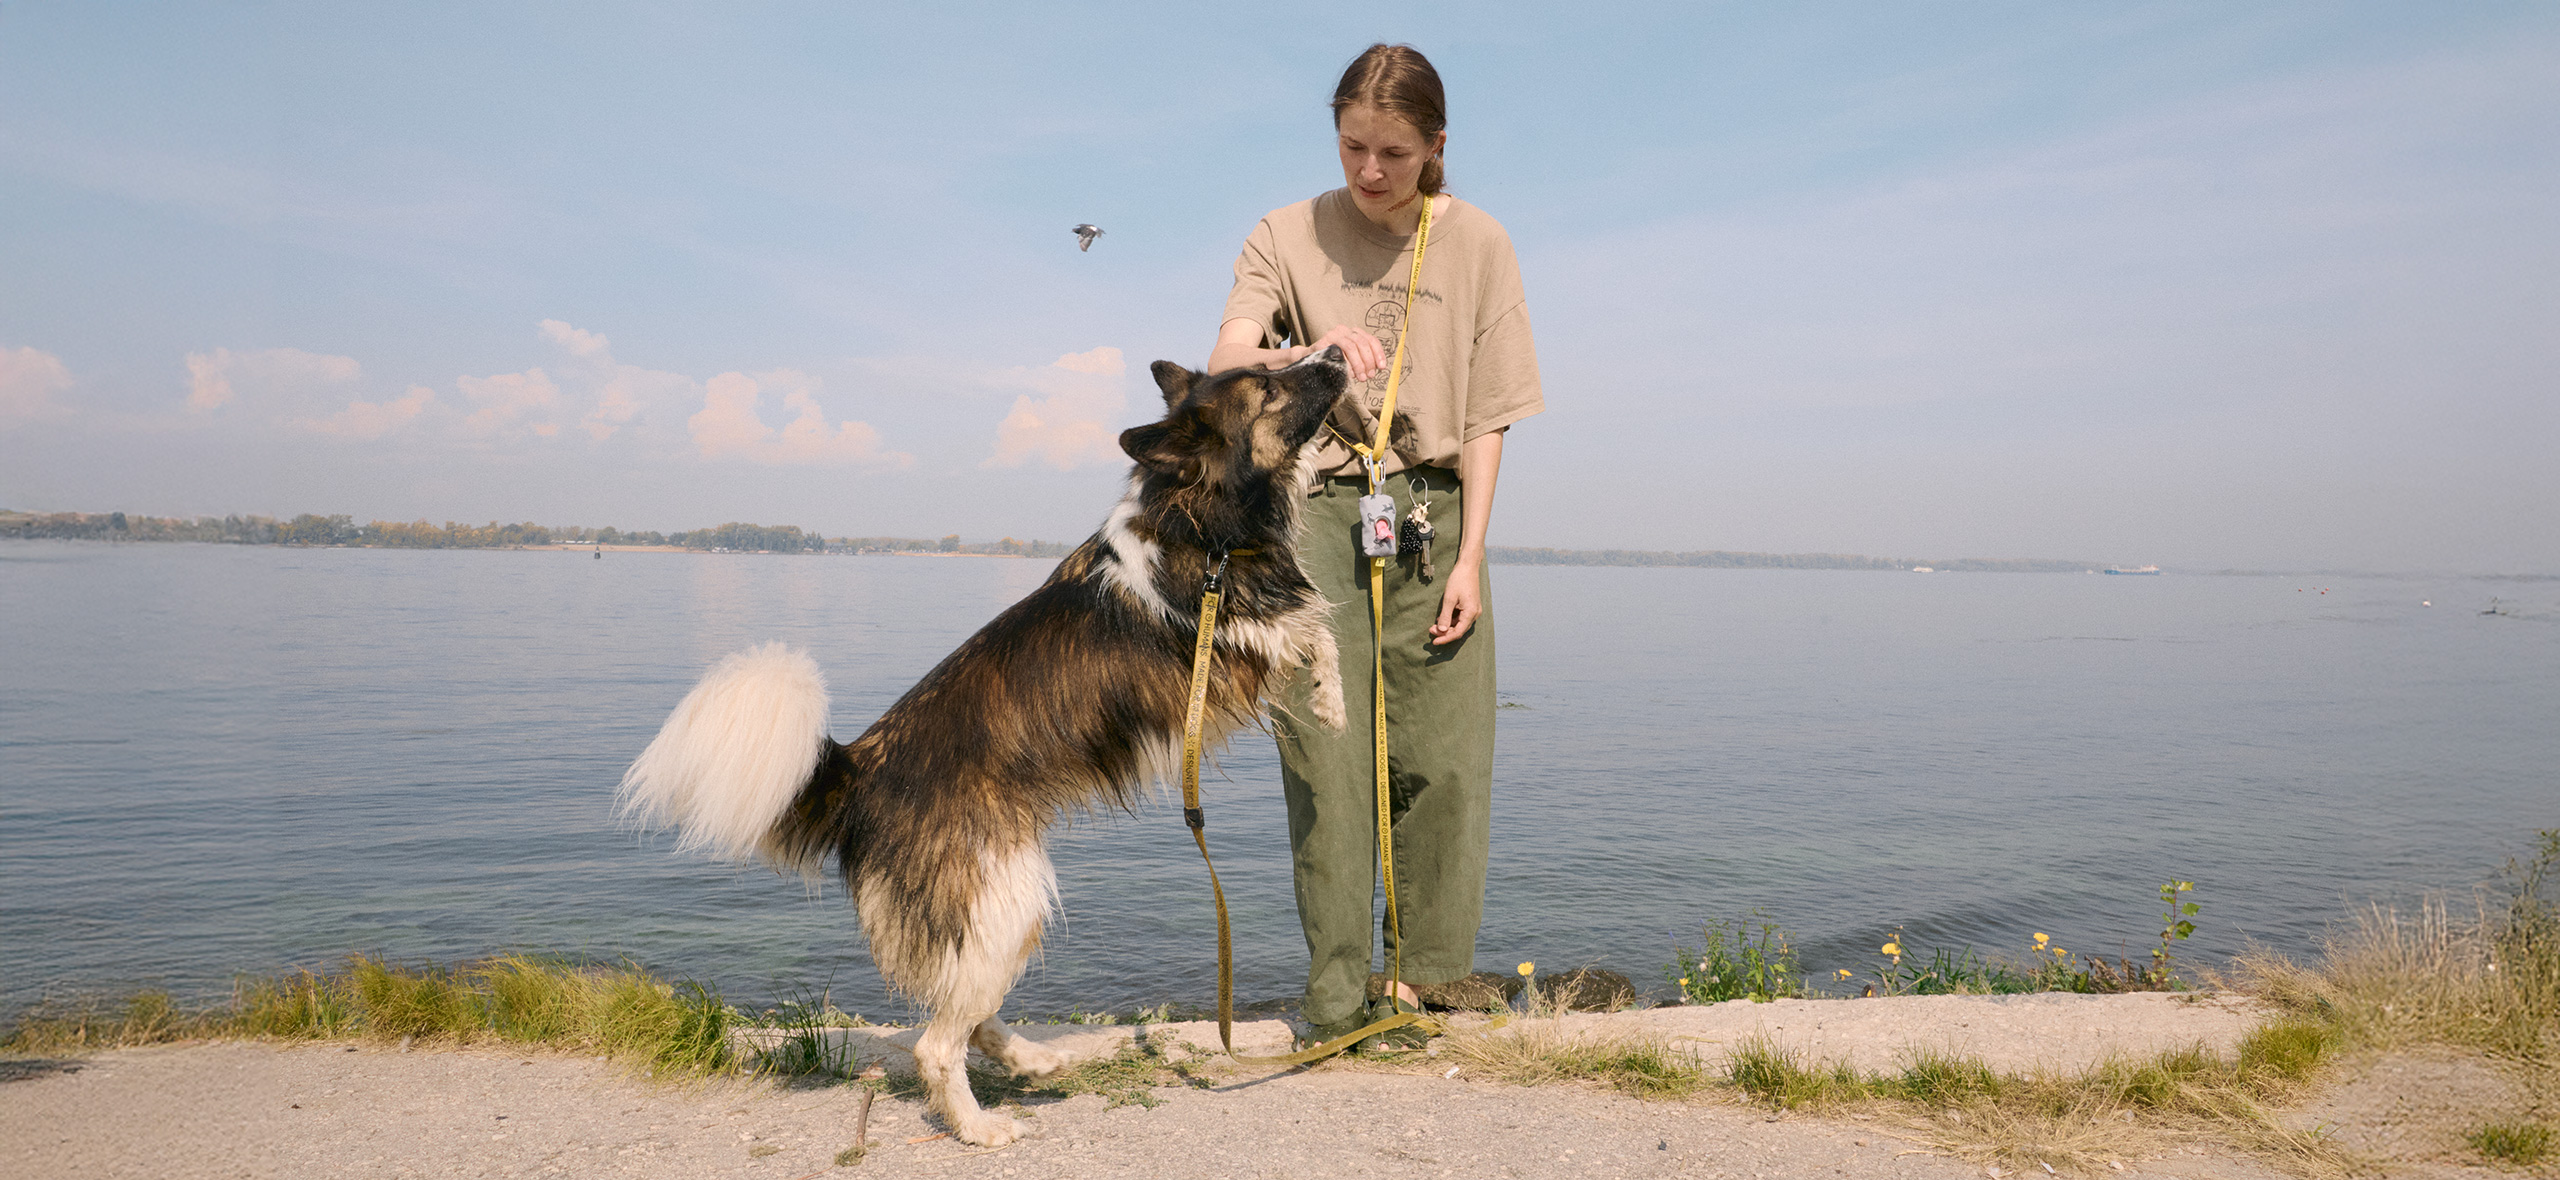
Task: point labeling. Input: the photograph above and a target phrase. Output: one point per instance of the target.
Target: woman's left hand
(1460, 601)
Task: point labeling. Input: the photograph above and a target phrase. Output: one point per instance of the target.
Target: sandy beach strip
(324, 1110)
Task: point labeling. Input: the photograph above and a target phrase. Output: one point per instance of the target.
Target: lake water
(221, 760)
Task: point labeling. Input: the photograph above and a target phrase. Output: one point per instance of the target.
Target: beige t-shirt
(1470, 367)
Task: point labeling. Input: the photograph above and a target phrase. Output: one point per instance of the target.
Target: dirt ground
(231, 1109)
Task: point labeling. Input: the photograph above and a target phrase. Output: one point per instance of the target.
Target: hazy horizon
(2175, 283)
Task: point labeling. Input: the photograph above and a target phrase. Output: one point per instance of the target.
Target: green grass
(2521, 1144)
(1536, 1052)
(2118, 1108)
(618, 1011)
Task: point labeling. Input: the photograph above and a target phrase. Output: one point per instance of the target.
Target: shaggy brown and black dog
(1073, 698)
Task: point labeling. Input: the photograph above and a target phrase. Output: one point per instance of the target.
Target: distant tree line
(341, 529)
(1727, 559)
(737, 537)
(1007, 547)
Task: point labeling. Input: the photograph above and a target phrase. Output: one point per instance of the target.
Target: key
(1416, 536)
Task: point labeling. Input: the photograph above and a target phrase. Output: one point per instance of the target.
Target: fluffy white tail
(735, 752)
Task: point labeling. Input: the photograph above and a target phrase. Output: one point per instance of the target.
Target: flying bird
(1085, 234)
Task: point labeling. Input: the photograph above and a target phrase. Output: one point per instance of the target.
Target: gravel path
(234, 1109)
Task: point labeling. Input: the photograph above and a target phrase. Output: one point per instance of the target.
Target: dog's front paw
(987, 1129)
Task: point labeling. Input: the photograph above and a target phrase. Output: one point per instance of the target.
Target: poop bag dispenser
(1378, 525)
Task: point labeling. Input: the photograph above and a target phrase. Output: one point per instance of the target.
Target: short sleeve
(1257, 294)
(1502, 376)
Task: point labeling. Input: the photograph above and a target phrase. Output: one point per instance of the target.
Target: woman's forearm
(1479, 463)
(1240, 344)
(1236, 356)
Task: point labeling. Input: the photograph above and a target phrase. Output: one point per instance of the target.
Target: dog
(1073, 699)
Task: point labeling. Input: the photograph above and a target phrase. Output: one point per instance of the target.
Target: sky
(2211, 285)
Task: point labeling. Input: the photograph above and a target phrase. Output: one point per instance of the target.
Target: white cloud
(507, 398)
(208, 385)
(363, 419)
(578, 341)
(729, 427)
(28, 380)
(214, 378)
(1072, 426)
(625, 391)
(1102, 362)
(617, 403)
(588, 396)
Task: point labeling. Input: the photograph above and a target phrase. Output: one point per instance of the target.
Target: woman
(1333, 271)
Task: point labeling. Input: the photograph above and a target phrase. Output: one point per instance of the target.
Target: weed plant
(1940, 971)
(1734, 964)
(797, 1037)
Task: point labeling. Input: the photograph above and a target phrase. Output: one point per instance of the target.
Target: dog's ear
(1158, 447)
(1174, 380)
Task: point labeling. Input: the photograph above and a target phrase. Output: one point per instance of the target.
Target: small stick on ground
(861, 1133)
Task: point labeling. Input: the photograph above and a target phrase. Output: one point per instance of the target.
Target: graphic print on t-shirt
(1384, 319)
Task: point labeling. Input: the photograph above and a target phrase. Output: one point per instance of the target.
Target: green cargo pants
(1440, 761)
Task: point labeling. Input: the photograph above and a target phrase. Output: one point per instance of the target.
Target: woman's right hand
(1361, 352)
(1238, 341)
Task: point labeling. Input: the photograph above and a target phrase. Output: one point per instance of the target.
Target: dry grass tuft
(618, 1011)
(2121, 1108)
(2521, 1144)
(2486, 980)
(1538, 1051)
(87, 1024)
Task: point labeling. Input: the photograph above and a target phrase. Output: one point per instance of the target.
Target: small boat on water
(2136, 571)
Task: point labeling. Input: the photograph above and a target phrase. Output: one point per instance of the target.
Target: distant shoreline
(1499, 555)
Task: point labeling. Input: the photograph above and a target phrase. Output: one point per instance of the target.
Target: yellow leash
(1203, 646)
(1372, 460)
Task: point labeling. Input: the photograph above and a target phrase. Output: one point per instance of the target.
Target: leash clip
(1217, 575)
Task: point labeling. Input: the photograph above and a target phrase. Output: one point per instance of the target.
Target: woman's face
(1381, 158)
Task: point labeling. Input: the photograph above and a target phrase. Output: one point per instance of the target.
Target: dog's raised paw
(989, 1130)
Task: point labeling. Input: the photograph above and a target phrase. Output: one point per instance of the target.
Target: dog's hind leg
(942, 1063)
(1015, 906)
(1016, 890)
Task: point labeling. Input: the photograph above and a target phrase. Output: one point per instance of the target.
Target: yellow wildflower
(1526, 968)
(1894, 949)
(2041, 940)
(1844, 973)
